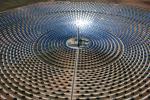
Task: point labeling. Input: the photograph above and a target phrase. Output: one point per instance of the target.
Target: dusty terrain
(9, 4)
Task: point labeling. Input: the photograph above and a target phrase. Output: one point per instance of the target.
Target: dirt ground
(9, 4)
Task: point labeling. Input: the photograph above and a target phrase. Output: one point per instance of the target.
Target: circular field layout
(38, 62)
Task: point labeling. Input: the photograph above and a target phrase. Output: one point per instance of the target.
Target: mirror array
(36, 63)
